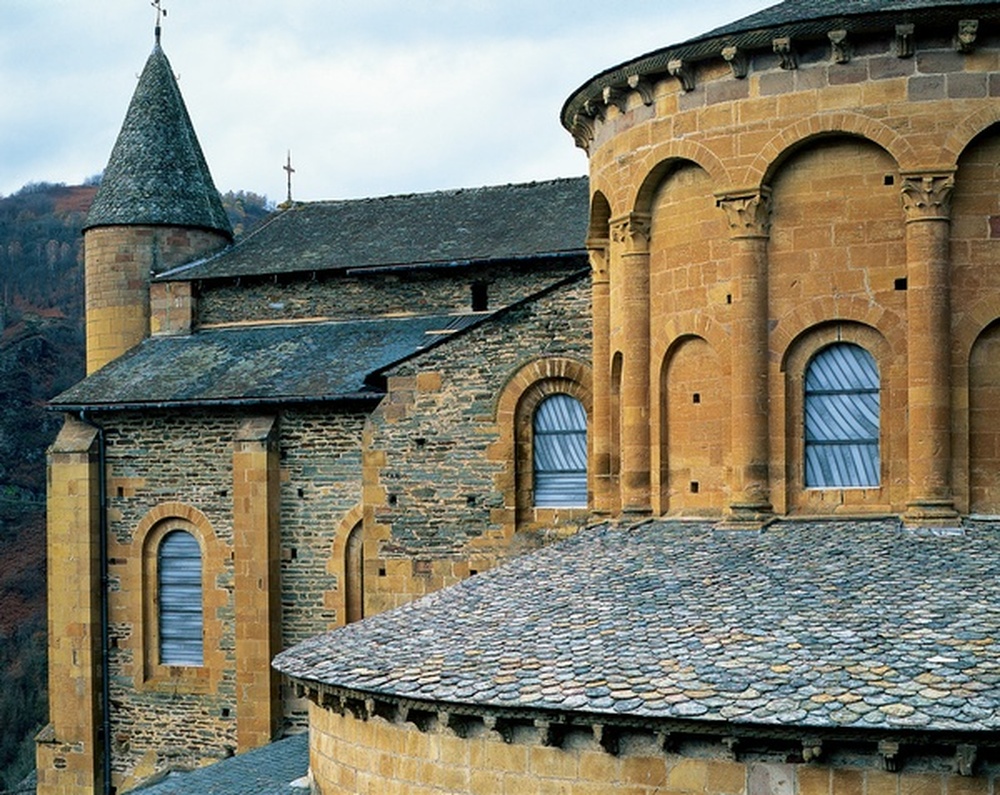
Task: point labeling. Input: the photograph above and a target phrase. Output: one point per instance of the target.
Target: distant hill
(41, 354)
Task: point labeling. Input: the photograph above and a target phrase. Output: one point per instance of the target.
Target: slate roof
(266, 363)
(490, 224)
(263, 771)
(837, 624)
(157, 174)
(798, 19)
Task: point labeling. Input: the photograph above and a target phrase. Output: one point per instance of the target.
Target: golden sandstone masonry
(755, 351)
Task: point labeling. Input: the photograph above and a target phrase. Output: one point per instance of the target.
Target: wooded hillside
(41, 354)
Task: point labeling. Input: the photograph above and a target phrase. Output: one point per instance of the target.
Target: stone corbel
(615, 96)
(812, 749)
(583, 131)
(682, 71)
(642, 87)
(889, 753)
(904, 40)
(748, 214)
(965, 39)
(783, 49)
(927, 197)
(732, 746)
(841, 47)
(737, 60)
(965, 759)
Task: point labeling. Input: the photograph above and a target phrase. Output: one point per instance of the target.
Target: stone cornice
(735, 48)
(892, 751)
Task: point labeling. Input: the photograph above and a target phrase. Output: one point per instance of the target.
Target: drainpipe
(102, 498)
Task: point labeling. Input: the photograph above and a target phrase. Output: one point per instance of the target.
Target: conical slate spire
(157, 174)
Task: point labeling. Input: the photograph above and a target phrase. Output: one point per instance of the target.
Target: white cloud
(374, 97)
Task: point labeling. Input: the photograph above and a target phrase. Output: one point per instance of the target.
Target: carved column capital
(632, 231)
(597, 249)
(927, 197)
(748, 214)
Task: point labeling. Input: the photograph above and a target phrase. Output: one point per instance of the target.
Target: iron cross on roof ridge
(289, 170)
(160, 13)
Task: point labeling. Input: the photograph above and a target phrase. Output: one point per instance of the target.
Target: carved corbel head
(642, 87)
(841, 47)
(615, 96)
(683, 71)
(965, 39)
(737, 60)
(783, 48)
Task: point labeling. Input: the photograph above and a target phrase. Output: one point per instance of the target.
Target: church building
(704, 444)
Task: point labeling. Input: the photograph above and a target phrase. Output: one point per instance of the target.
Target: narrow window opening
(729, 298)
(302, 493)
(888, 179)
(559, 452)
(694, 486)
(696, 398)
(121, 491)
(480, 297)
(180, 612)
(842, 419)
(391, 499)
(899, 284)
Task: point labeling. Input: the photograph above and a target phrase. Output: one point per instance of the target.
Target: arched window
(354, 576)
(179, 600)
(842, 418)
(559, 453)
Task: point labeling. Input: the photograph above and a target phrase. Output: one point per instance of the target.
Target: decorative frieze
(927, 196)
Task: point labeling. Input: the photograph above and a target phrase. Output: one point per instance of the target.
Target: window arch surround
(889, 495)
(154, 528)
(515, 410)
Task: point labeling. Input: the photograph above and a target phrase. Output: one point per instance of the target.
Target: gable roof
(797, 19)
(831, 624)
(294, 362)
(157, 174)
(504, 222)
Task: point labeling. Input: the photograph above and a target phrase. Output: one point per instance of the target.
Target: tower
(157, 207)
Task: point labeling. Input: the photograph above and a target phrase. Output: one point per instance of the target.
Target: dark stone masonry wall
(321, 483)
(438, 430)
(152, 460)
(424, 292)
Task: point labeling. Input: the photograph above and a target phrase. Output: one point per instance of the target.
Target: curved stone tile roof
(157, 174)
(835, 624)
(456, 226)
(792, 18)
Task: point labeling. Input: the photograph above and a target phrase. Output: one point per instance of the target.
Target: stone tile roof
(797, 19)
(473, 225)
(157, 174)
(826, 624)
(264, 771)
(303, 361)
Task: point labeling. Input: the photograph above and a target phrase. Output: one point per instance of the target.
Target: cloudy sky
(371, 96)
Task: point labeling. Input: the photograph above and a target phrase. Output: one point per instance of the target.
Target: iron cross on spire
(160, 13)
(289, 170)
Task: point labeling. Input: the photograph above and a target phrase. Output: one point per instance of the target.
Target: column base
(747, 516)
(931, 513)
